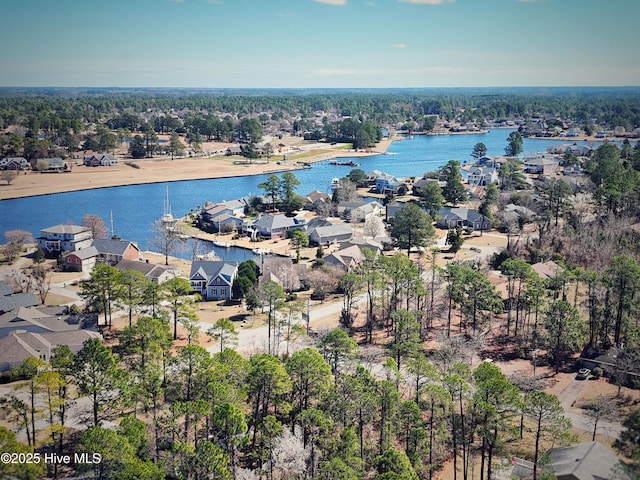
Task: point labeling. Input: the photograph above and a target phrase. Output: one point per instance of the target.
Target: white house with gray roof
(272, 226)
(213, 279)
(330, 234)
(64, 238)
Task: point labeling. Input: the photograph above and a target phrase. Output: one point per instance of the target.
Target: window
(223, 292)
(214, 292)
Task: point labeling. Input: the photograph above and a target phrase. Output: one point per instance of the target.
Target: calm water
(134, 208)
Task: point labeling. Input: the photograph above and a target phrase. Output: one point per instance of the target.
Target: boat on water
(390, 153)
(335, 183)
(218, 243)
(350, 163)
(168, 220)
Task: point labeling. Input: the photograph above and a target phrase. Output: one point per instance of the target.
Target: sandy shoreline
(163, 169)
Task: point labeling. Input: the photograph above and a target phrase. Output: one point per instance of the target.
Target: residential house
(213, 279)
(547, 270)
(334, 233)
(391, 209)
(15, 163)
(112, 251)
(453, 217)
(373, 175)
(10, 300)
(386, 183)
(234, 150)
(540, 163)
(154, 273)
(100, 160)
(317, 199)
(346, 258)
(482, 176)
(272, 226)
(54, 165)
(358, 211)
(572, 170)
(44, 320)
(81, 260)
(423, 182)
(64, 238)
(19, 345)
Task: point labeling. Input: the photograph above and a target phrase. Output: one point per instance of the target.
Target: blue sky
(319, 43)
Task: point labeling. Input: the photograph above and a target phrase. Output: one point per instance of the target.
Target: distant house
(453, 217)
(19, 345)
(572, 170)
(423, 182)
(330, 234)
(112, 251)
(272, 226)
(373, 175)
(81, 260)
(54, 165)
(482, 176)
(15, 163)
(234, 150)
(213, 279)
(154, 273)
(64, 238)
(100, 160)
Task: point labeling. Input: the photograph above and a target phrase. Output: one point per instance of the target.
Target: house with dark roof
(19, 345)
(154, 273)
(317, 199)
(10, 300)
(453, 217)
(213, 279)
(100, 160)
(112, 251)
(64, 238)
(15, 163)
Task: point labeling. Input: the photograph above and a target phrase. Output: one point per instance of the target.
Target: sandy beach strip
(163, 169)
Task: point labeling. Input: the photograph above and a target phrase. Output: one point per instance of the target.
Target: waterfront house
(54, 165)
(272, 226)
(100, 160)
(453, 217)
(373, 175)
(82, 260)
(213, 279)
(482, 176)
(154, 273)
(64, 238)
(111, 251)
(386, 183)
(234, 150)
(15, 163)
(540, 163)
(317, 199)
(330, 234)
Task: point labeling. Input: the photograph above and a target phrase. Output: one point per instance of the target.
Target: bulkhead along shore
(296, 154)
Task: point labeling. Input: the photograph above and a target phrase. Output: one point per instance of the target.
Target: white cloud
(332, 2)
(399, 45)
(427, 2)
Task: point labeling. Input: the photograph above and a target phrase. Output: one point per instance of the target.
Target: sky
(319, 43)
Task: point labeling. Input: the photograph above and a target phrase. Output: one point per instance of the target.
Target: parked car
(583, 374)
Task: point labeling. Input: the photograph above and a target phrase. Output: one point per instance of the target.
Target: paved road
(580, 421)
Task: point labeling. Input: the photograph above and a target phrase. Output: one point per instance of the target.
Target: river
(134, 208)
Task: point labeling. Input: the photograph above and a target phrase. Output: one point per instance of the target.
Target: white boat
(168, 219)
(335, 183)
(221, 244)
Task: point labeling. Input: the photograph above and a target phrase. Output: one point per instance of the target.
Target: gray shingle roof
(109, 246)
